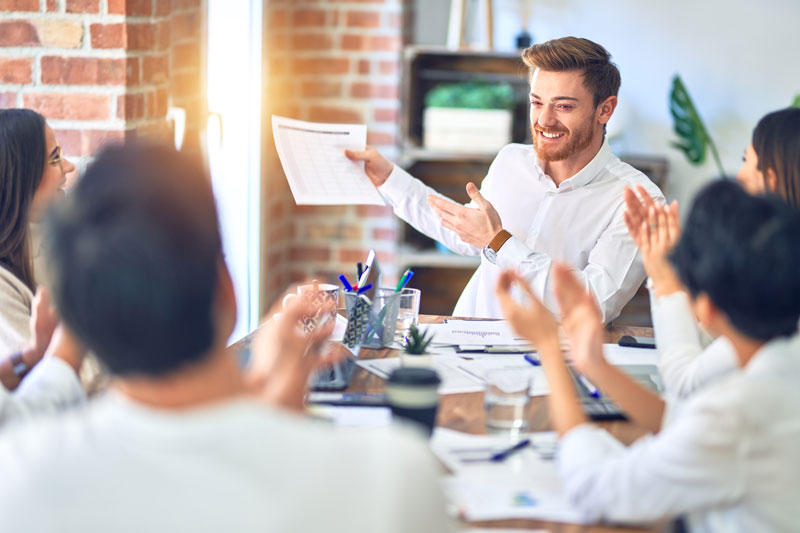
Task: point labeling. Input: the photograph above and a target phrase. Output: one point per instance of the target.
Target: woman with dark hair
(32, 173)
(771, 166)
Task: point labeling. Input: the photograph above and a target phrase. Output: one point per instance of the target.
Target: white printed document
(312, 156)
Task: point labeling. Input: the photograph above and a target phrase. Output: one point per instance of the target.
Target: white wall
(739, 61)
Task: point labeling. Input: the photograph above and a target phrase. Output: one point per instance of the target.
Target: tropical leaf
(694, 138)
(796, 102)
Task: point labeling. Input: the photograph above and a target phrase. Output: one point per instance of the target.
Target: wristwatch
(497, 242)
(18, 365)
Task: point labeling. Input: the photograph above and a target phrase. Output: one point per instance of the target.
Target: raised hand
(581, 319)
(284, 357)
(532, 321)
(475, 226)
(376, 167)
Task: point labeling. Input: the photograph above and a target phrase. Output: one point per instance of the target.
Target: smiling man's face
(564, 119)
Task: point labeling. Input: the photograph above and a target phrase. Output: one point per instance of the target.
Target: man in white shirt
(558, 200)
(184, 440)
(728, 456)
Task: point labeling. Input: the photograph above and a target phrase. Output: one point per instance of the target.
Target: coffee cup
(412, 394)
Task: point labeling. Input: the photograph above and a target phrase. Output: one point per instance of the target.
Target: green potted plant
(468, 117)
(695, 140)
(415, 352)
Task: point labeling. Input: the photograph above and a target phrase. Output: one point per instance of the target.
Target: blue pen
(405, 280)
(591, 389)
(346, 283)
(365, 288)
(501, 455)
(532, 359)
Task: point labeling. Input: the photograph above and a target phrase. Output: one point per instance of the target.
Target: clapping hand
(284, 357)
(532, 321)
(475, 226)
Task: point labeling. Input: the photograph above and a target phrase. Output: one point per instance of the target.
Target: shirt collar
(776, 356)
(585, 175)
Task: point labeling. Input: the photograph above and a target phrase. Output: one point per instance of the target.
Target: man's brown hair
(600, 76)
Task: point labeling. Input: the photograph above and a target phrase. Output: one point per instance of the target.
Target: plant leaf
(688, 125)
(796, 102)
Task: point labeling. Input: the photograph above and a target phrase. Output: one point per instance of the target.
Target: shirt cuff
(396, 185)
(54, 377)
(585, 446)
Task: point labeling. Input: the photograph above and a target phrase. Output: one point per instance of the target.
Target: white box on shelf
(466, 130)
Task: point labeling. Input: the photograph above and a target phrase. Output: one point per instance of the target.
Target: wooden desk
(465, 412)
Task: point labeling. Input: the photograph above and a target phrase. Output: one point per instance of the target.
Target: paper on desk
(623, 355)
(525, 485)
(354, 416)
(454, 379)
(312, 156)
(474, 332)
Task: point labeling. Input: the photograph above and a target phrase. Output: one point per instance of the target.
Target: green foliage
(471, 95)
(417, 342)
(688, 125)
(796, 102)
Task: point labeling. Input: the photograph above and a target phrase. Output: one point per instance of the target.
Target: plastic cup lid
(414, 376)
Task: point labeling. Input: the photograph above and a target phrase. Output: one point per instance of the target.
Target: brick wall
(101, 70)
(335, 61)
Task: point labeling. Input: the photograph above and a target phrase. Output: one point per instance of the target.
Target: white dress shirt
(234, 466)
(729, 456)
(580, 222)
(687, 360)
(50, 387)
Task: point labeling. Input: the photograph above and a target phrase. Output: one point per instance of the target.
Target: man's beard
(578, 140)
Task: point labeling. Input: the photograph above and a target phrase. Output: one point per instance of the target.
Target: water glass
(408, 313)
(506, 400)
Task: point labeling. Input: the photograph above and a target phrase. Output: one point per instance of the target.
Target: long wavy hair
(22, 159)
(776, 141)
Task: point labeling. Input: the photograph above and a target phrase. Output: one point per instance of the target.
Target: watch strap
(499, 240)
(18, 365)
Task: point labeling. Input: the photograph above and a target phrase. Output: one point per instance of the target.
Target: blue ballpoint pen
(590, 388)
(345, 283)
(532, 359)
(501, 455)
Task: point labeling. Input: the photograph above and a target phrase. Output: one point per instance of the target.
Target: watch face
(490, 255)
(20, 368)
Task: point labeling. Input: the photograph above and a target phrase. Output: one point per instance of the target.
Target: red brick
(389, 67)
(107, 35)
(384, 43)
(321, 89)
(369, 90)
(316, 41)
(309, 253)
(185, 26)
(157, 103)
(386, 115)
(87, 71)
(363, 19)
(94, 140)
(352, 42)
(308, 17)
(8, 100)
(373, 211)
(383, 234)
(70, 141)
(19, 5)
(138, 8)
(70, 106)
(185, 4)
(130, 106)
(52, 5)
(155, 69)
(377, 138)
(140, 36)
(83, 6)
(18, 33)
(163, 35)
(16, 70)
(322, 65)
(352, 255)
(186, 55)
(363, 66)
(278, 18)
(185, 84)
(162, 7)
(335, 114)
(320, 210)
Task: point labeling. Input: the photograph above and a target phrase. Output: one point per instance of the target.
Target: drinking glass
(408, 312)
(506, 400)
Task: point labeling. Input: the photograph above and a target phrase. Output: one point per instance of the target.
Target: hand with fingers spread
(475, 226)
(655, 229)
(376, 167)
(581, 319)
(284, 357)
(533, 321)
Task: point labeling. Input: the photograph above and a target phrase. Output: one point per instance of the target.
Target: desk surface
(465, 412)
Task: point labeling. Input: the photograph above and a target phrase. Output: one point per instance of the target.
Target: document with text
(312, 156)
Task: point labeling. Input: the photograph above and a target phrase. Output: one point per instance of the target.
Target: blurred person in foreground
(185, 440)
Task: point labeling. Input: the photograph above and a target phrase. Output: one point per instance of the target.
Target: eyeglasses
(56, 156)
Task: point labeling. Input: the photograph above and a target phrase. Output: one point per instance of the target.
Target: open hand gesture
(475, 226)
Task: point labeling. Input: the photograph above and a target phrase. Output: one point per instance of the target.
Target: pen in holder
(374, 318)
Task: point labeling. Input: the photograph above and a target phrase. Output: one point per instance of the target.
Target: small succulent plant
(416, 341)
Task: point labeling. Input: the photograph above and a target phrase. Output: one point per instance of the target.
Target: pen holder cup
(376, 320)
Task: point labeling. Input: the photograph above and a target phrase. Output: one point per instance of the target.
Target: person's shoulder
(515, 150)
(12, 288)
(630, 176)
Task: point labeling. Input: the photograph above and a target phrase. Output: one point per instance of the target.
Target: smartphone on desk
(632, 341)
